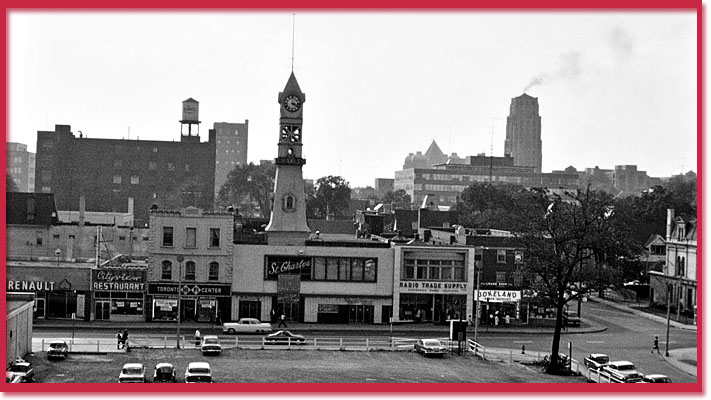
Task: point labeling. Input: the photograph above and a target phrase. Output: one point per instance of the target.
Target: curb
(642, 314)
(681, 366)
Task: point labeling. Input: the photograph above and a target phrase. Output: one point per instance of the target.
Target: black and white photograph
(353, 197)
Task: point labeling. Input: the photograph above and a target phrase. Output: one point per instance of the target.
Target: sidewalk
(191, 326)
(684, 359)
(642, 314)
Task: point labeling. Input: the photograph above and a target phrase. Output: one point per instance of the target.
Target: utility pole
(180, 283)
(477, 265)
(666, 351)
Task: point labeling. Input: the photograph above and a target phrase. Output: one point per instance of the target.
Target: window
(134, 180)
(332, 269)
(214, 237)
(46, 189)
(187, 167)
(189, 271)
(409, 269)
(421, 270)
(500, 256)
(31, 212)
(501, 277)
(171, 167)
(39, 239)
(319, 269)
(118, 163)
(123, 238)
(190, 237)
(357, 274)
(55, 236)
(167, 236)
(152, 165)
(166, 271)
(344, 269)
(46, 176)
(117, 179)
(213, 273)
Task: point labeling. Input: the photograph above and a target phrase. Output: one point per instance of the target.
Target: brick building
(21, 166)
(230, 149)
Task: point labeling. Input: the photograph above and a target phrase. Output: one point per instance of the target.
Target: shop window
(434, 273)
(168, 236)
(357, 274)
(319, 268)
(409, 272)
(166, 270)
(446, 274)
(458, 273)
(332, 269)
(344, 268)
(500, 256)
(421, 272)
(189, 271)
(214, 237)
(190, 237)
(214, 271)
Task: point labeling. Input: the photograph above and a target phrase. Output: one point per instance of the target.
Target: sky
(614, 88)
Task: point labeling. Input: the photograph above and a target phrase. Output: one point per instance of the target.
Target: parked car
(622, 371)
(22, 369)
(57, 349)
(210, 345)
(247, 325)
(12, 378)
(284, 337)
(430, 347)
(571, 318)
(132, 373)
(198, 372)
(656, 378)
(596, 361)
(164, 373)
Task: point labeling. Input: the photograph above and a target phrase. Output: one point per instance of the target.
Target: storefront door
(250, 309)
(39, 308)
(290, 311)
(103, 310)
(187, 309)
(360, 313)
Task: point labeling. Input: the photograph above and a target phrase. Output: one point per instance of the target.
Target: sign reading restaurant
(120, 279)
(433, 287)
(499, 296)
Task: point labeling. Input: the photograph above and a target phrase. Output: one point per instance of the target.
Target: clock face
(292, 103)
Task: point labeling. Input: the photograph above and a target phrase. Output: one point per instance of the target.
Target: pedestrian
(124, 338)
(273, 315)
(496, 320)
(507, 320)
(282, 321)
(656, 345)
(470, 321)
(197, 337)
(119, 340)
(491, 319)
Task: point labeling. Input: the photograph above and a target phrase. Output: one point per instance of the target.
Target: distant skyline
(613, 87)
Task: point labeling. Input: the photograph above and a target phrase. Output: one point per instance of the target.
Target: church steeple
(287, 224)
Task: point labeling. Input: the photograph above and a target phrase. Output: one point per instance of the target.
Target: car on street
(622, 371)
(596, 360)
(210, 345)
(164, 373)
(430, 347)
(656, 378)
(57, 349)
(12, 378)
(198, 372)
(571, 318)
(284, 337)
(132, 373)
(247, 325)
(22, 369)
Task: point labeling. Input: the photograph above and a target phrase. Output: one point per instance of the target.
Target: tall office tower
(230, 149)
(21, 166)
(523, 133)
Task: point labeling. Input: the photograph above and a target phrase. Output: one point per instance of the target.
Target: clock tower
(287, 224)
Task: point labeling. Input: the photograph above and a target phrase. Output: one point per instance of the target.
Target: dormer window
(681, 232)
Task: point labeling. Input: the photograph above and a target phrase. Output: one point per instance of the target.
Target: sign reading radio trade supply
(433, 287)
(499, 296)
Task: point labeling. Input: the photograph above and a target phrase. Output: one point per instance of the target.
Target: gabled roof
(435, 155)
(654, 238)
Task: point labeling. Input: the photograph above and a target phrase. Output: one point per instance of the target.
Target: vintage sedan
(198, 372)
(596, 360)
(247, 325)
(430, 347)
(20, 368)
(656, 378)
(210, 345)
(622, 371)
(164, 373)
(284, 337)
(57, 349)
(132, 373)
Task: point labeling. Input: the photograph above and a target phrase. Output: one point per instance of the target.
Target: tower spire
(293, 30)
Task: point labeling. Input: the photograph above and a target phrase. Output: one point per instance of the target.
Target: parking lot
(285, 366)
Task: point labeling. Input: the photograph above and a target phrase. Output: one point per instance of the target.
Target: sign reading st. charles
(278, 265)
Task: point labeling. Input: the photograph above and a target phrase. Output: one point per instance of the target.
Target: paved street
(628, 337)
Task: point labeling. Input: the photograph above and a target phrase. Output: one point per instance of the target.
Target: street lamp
(180, 283)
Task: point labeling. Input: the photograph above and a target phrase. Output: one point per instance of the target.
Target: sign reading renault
(433, 287)
(499, 296)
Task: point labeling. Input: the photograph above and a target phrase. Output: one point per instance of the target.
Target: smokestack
(82, 209)
(670, 222)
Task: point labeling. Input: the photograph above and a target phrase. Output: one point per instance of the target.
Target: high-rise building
(523, 133)
(230, 149)
(21, 166)
(119, 175)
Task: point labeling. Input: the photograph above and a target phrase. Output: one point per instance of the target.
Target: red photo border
(380, 6)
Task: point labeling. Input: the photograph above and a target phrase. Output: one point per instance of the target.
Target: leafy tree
(483, 205)
(250, 188)
(10, 185)
(364, 193)
(399, 199)
(331, 197)
(572, 245)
